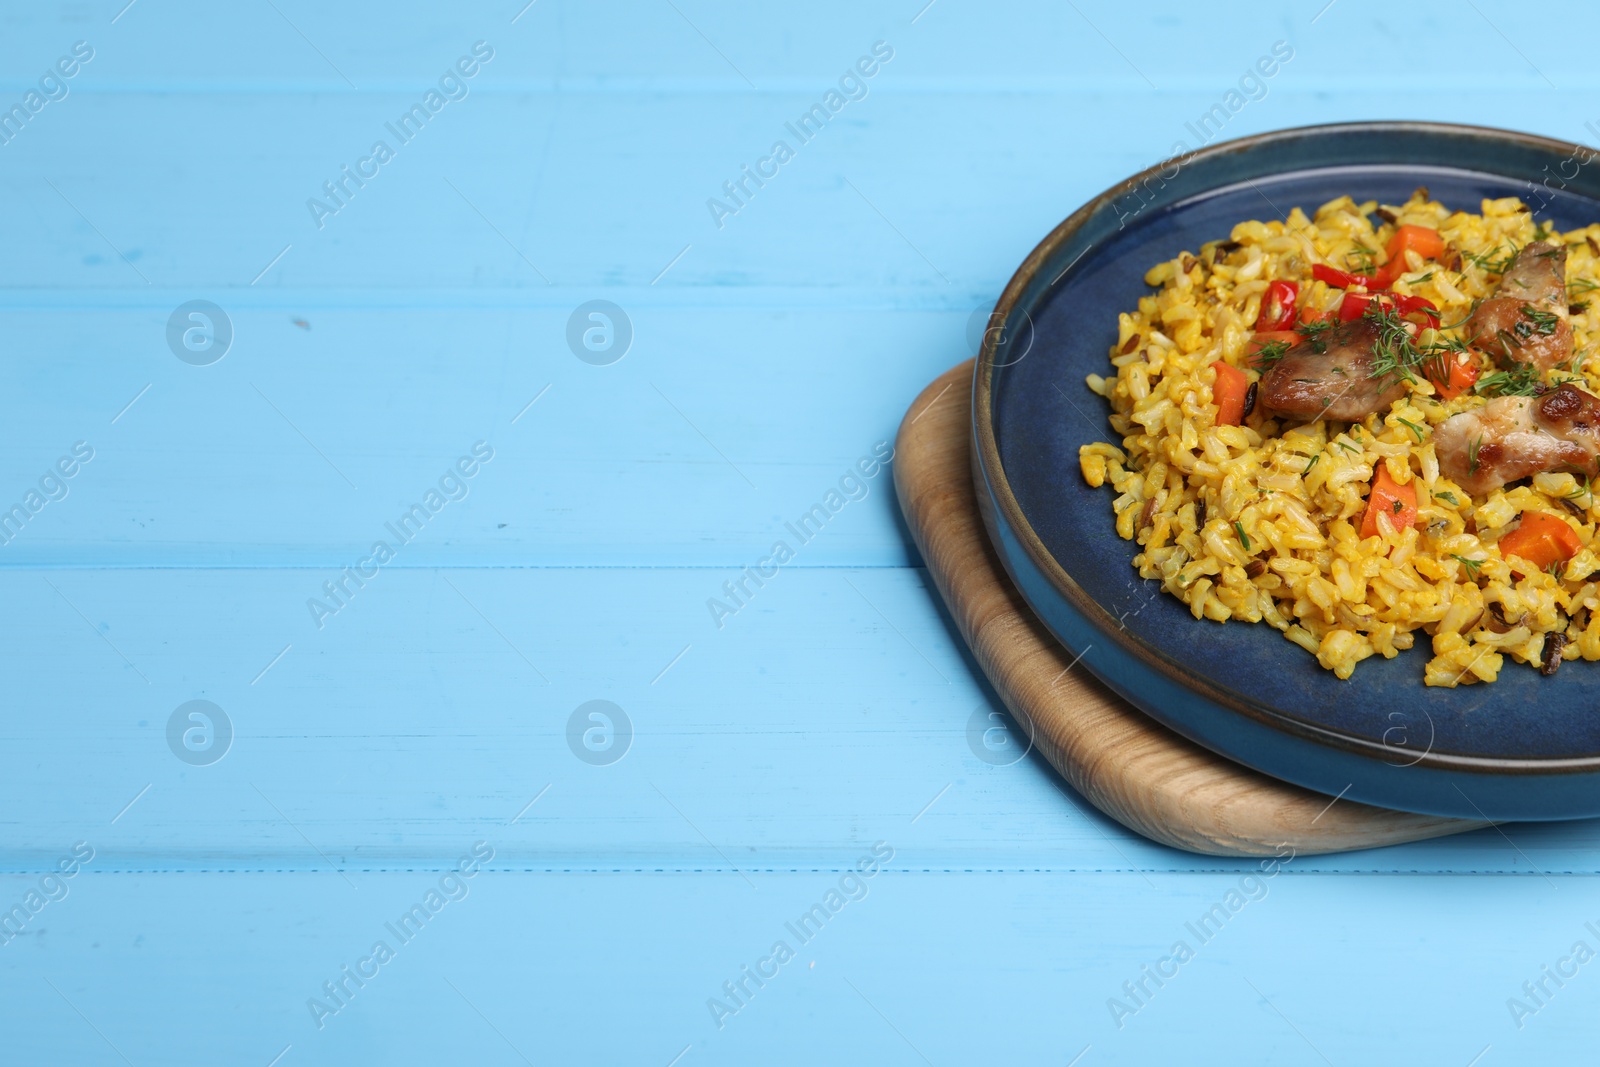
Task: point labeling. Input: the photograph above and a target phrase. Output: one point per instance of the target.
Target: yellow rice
(1297, 492)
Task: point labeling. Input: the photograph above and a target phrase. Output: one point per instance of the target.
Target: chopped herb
(1522, 379)
(1244, 538)
(1398, 507)
(1268, 354)
(1555, 569)
(1578, 308)
(1469, 563)
(1396, 352)
(1448, 497)
(1313, 463)
(1580, 490)
(1313, 331)
(1487, 262)
(1346, 447)
(1413, 427)
(1579, 286)
(1425, 277)
(1543, 322)
(1472, 454)
(1541, 231)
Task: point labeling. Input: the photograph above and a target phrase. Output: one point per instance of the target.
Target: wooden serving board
(1137, 771)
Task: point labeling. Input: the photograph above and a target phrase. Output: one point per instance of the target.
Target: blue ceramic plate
(1526, 747)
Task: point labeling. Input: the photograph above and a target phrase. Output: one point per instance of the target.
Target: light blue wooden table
(414, 762)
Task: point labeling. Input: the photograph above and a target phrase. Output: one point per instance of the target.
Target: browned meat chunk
(1526, 320)
(1334, 383)
(1520, 436)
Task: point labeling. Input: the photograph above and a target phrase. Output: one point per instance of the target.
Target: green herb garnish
(1413, 427)
(1268, 354)
(1487, 262)
(1313, 331)
(1541, 322)
(1244, 539)
(1394, 353)
(1522, 379)
(1470, 564)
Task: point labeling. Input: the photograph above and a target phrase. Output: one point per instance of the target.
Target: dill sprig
(1268, 354)
(1313, 333)
(1413, 427)
(1520, 379)
(1395, 352)
(1541, 322)
(1472, 565)
(1487, 262)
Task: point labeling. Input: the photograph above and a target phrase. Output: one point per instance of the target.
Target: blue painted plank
(436, 704)
(1303, 970)
(480, 199)
(304, 441)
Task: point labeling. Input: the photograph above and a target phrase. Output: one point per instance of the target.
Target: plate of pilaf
(1295, 441)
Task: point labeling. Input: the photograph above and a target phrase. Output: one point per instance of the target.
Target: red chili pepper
(1277, 307)
(1355, 305)
(1341, 279)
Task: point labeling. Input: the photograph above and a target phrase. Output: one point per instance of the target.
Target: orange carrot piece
(1542, 539)
(1229, 393)
(1396, 503)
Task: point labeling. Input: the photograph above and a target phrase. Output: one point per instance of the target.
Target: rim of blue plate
(995, 492)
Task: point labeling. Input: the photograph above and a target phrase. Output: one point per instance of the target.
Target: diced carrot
(1452, 374)
(1542, 539)
(1396, 503)
(1311, 314)
(1419, 239)
(1263, 338)
(1229, 393)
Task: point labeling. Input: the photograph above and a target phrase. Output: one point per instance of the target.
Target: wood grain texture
(1140, 773)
